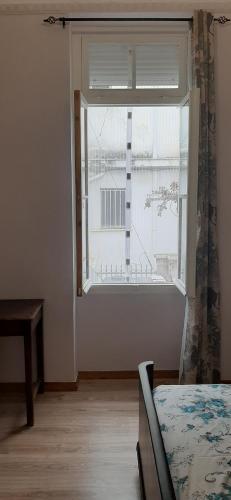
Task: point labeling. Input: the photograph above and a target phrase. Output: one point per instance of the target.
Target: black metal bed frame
(155, 479)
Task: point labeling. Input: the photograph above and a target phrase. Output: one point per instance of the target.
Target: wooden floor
(82, 446)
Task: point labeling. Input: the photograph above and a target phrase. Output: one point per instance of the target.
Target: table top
(24, 309)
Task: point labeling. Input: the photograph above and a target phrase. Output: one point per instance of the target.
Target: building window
(136, 162)
(112, 208)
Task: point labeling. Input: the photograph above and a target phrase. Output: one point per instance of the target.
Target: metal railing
(163, 272)
(138, 273)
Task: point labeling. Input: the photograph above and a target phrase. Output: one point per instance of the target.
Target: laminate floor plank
(82, 446)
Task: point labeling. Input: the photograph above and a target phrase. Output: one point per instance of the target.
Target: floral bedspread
(195, 422)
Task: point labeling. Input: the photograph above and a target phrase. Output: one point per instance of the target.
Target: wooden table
(25, 318)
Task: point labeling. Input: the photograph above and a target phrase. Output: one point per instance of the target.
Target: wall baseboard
(49, 387)
(61, 386)
(119, 375)
(16, 387)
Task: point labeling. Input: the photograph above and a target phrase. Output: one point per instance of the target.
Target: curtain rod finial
(50, 20)
(54, 20)
(222, 20)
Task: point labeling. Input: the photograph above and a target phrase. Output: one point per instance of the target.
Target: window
(136, 163)
(81, 171)
(187, 210)
(119, 68)
(183, 189)
(112, 208)
(137, 150)
(127, 66)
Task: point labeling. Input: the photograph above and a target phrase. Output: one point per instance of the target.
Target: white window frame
(82, 36)
(189, 286)
(136, 97)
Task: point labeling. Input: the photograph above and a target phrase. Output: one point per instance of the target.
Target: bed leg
(142, 490)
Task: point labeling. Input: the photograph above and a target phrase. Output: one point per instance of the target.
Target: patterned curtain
(200, 356)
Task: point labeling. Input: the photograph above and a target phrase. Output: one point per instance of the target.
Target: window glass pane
(183, 190)
(84, 189)
(183, 238)
(184, 148)
(146, 250)
(157, 66)
(107, 180)
(109, 66)
(155, 175)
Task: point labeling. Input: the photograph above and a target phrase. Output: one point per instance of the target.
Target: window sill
(130, 289)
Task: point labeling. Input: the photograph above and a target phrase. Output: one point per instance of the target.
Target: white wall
(36, 222)
(116, 332)
(36, 255)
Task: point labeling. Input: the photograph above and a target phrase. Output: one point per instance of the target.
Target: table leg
(40, 355)
(28, 376)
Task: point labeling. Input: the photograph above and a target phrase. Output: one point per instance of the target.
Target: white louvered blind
(108, 66)
(131, 66)
(157, 66)
(135, 68)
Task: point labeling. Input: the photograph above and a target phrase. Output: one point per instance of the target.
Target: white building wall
(150, 234)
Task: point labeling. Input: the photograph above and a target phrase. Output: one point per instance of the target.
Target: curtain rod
(64, 20)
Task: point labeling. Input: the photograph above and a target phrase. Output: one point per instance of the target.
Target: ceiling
(219, 6)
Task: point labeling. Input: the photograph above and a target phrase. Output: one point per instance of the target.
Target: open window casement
(81, 179)
(187, 198)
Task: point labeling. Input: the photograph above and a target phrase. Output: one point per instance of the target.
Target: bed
(184, 447)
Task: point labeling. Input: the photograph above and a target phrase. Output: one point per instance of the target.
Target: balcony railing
(163, 272)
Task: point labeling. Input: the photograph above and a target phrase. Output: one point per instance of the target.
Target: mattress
(195, 423)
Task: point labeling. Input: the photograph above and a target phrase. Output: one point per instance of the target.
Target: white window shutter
(127, 68)
(187, 202)
(108, 66)
(157, 66)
